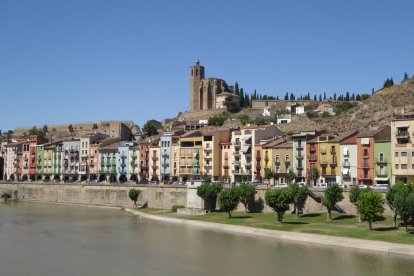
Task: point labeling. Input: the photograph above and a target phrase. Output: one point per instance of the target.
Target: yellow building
(211, 158)
(191, 155)
(268, 153)
(329, 156)
(175, 158)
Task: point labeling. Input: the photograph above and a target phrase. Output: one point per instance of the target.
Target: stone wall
(163, 197)
(107, 195)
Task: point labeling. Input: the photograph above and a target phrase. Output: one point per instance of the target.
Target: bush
(175, 207)
(279, 200)
(133, 195)
(217, 120)
(229, 199)
(209, 192)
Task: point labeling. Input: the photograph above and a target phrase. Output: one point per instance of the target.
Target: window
(396, 166)
(403, 154)
(403, 166)
(412, 154)
(381, 157)
(396, 154)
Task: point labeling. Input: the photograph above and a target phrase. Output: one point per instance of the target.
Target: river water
(50, 239)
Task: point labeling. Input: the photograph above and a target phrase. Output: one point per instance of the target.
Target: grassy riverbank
(315, 223)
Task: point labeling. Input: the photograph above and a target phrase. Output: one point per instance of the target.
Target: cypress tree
(320, 98)
(287, 96)
(347, 96)
(241, 98)
(335, 96)
(315, 98)
(236, 88)
(324, 95)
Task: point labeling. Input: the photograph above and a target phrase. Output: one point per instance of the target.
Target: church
(207, 94)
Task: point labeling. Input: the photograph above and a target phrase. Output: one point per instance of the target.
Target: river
(51, 239)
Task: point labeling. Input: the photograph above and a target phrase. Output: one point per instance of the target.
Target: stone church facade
(206, 94)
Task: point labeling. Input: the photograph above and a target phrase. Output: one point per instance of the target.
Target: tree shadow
(256, 206)
(311, 215)
(241, 217)
(381, 229)
(294, 222)
(341, 217)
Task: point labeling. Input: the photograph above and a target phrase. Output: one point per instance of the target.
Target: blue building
(122, 161)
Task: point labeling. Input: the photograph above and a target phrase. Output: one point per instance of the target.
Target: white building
(348, 161)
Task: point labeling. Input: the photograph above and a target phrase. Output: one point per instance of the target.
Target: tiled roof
(285, 145)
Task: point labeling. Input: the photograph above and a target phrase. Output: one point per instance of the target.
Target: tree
(404, 204)
(315, 98)
(246, 194)
(149, 129)
(390, 198)
(364, 97)
(354, 193)
(268, 174)
(333, 195)
(370, 206)
(324, 95)
(388, 83)
(358, 97)
(208, 192)
(313, 175)
(45, 130)
(347, 96)
(133, 195)
(246, 101)
(6, 196)
(236, 88)
(290, 176)
(292, 97)
(286, 96)
(70, 128)
(232, 104)
(229, 199)
(334, 96)
(217, 120)
(405, 77)
(279, 200)
(299, 196)
(241, 98)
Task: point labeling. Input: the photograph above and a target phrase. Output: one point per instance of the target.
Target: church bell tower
(196, 75)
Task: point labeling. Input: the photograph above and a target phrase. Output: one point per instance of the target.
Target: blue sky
(73, 61)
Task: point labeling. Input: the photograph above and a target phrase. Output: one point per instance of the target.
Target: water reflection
(47, 239)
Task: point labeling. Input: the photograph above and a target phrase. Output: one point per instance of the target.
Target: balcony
(299, 156)
(236, 153)
(247, 172)
(402, 135)
(237, 143)
(266, 158)
(237, 172)
(300, 146)
(287, 160)
(365, 166)
(236, 162)
(381, 161)
(333, 163)
(207, 149)
(277, 161)
(312, 149)
(333, 151)
(364, 177)
(323, 163)
(299, 166)
(365, 156)
(382, 173)
(248, 164)
(346, 164)
(312, 158)
(258, 158)
(154, 158)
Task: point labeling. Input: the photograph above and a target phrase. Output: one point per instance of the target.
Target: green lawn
(154, 211)
(315, 223)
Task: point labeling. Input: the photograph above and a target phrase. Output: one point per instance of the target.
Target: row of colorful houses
(377, 155)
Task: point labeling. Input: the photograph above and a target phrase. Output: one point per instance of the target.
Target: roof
(285, 145)
(349, 141)
(274, 142)
(268, 132)
(193, 133)
(113, 146)
(371, 132)
(344, 135)
(15, 144)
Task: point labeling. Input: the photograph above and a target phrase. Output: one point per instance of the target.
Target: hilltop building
(206, 94)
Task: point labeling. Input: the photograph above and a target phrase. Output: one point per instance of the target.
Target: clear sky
(73, 61)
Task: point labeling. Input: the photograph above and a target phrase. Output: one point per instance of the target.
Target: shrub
(133, 195)
(175, 207)
(229, 199)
